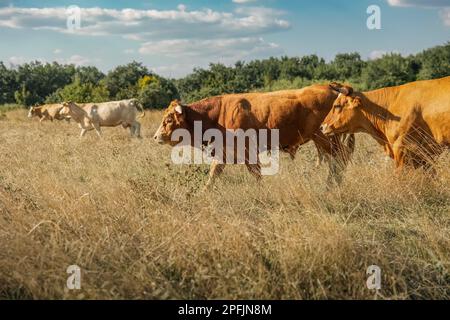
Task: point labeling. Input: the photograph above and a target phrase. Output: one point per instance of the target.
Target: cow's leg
(83, 132)
(333, 152)
(136, 129)
(320, 154)
(252, 162)
(292, 151)
(403, 149)
(254, 169)
(96, 126)
(399, 152)
(215, 170)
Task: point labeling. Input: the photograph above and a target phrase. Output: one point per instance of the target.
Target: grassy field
(139, 227)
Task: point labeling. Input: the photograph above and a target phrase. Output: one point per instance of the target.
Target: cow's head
(33, 111)
(65, 110)
(174, 118)
(345, 114)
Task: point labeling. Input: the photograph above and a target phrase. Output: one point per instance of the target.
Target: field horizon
(140, 227)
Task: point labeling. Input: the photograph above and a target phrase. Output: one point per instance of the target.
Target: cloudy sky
(173, 37)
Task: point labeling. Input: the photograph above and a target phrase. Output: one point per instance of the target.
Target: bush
(156, 92)
(390, 70)
(434, 62)
(80, 92)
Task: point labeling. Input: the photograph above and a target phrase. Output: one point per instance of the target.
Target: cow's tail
(141, 109)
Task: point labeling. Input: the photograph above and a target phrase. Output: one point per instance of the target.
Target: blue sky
(173, 37)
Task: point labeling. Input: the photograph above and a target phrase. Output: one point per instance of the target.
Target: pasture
(140, 227)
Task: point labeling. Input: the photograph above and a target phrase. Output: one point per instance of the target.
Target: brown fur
(297, 114)
(47, 112)
(411, 122)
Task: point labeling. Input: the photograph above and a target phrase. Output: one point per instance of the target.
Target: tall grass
(139, 227)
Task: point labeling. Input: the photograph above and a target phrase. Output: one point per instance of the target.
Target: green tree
(390, 70)
(80, 92)
(24, 97)
(88, 74)
(348, 66)
(121, 82)
(8, 84)
(37, 81)
(156, 92)
(435, 62)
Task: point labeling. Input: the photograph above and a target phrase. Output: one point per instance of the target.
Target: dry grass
(139, 227)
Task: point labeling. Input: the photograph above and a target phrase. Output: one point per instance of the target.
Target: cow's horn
(345, 90)
(179, 109)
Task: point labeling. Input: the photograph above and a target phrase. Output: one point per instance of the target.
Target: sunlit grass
(140, 227)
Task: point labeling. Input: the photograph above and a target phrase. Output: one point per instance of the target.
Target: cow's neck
(206, 111)
(77, 113)
(376, 110)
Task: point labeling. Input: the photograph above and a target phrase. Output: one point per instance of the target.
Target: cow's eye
(169, 120)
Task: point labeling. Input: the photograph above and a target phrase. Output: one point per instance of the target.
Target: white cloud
(419, 3)
(57, 51)
(188, 53)
(150, 24)
(184, 36)
(376, 54)
(243, 1)
(444, 4)
(18, 60)
(172, 70)
(445, 15)
(218, 47)
(77, 60)
(14, 60)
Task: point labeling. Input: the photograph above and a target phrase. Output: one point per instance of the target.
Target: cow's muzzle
(158, 139)
(326, 129)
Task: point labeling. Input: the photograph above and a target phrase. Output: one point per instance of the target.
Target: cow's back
(297, 114)
(426, 104)
(435, 110)
(53, 109)
(111, 113)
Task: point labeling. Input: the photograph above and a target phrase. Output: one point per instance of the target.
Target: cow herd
(93, 116)
(411, 122)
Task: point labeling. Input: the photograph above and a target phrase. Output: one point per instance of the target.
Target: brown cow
(411, 121)
(297, 114)
(47, 112)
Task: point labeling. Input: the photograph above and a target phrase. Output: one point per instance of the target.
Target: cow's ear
(179, 109)
(356, 103)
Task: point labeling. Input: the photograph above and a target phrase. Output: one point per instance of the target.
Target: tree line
(37, 83)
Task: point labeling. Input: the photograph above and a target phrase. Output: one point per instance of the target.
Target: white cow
(91, 116)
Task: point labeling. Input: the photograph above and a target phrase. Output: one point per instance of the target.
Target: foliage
(156, 92)
(122, 81)
(80, 92)
(36, 82)
(8, 84)
(390, 70)
(296, 72)
(434, 62)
